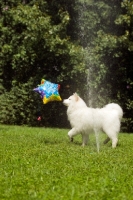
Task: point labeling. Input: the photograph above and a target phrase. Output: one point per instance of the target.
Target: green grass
(41, 164)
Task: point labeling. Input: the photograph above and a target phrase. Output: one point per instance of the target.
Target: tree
(104, 29)
(84, 45)
(33, 46)
(110, 63)
(125, 41)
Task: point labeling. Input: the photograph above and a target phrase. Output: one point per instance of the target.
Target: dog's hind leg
(112, 129)
(106, 141)
(113, 136)
(114, 142)
(72, 133)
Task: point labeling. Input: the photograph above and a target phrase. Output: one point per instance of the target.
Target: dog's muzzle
(65, 102)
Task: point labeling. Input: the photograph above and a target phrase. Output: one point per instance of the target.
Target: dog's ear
(76, 96)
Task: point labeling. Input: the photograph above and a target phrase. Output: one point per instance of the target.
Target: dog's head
(72, 99)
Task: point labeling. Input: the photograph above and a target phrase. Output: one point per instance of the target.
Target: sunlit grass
(41, 163)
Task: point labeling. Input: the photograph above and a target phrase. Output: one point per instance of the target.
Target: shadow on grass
(77, 143)
(50, 141)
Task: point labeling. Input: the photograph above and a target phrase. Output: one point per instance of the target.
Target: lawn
(41, 164)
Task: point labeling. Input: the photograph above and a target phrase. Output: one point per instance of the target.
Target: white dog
(83, 119)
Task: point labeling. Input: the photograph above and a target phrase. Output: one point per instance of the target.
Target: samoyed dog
(84, 120)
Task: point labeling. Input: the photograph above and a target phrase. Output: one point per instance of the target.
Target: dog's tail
(116, 107)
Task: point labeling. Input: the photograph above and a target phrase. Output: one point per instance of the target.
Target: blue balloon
(48, 91)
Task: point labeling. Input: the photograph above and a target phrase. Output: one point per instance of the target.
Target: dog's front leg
(85, 138)
(72, 133)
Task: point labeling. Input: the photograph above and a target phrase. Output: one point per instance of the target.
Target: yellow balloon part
(51, 98)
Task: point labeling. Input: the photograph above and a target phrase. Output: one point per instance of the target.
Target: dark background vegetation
(84, 45)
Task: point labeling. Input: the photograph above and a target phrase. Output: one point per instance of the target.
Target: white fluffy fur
(84, 120)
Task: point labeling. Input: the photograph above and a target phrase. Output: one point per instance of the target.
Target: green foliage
(116, 53)
(40, 163)
(108, 53)
(31, 41)
(85, 45)
(34, 46)
(97, 34)
(17, 106)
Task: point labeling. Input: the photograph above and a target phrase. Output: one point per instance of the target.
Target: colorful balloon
(48, 91)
